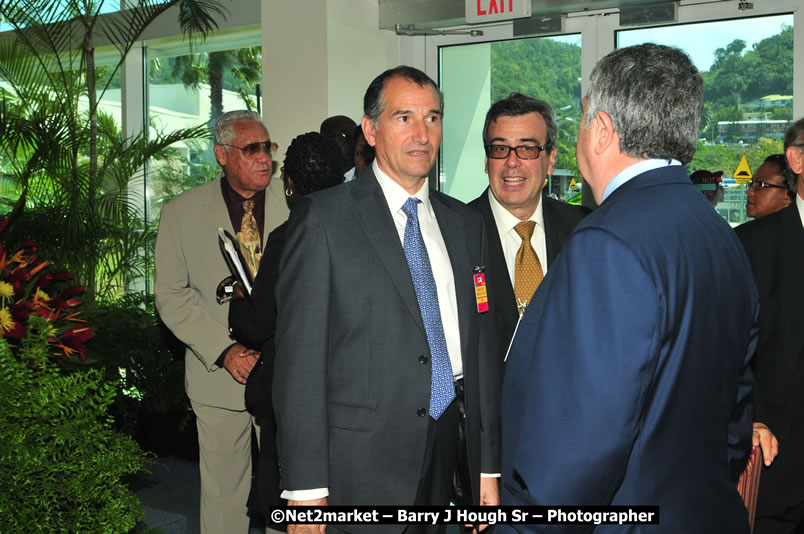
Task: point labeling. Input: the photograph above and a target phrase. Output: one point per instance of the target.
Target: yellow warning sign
(573, 185)
(743, 173)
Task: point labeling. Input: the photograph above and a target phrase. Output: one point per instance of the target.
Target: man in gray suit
(189, 268)
(376, 305)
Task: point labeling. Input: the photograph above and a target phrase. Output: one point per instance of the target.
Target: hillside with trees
(551, 70)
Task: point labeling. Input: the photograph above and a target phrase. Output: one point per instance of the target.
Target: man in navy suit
(628, 380)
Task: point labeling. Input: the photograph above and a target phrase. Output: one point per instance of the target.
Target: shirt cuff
(219, 361)
(305, 495)
(490, 475)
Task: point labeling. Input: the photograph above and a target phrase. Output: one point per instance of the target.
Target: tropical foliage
(79, 183)
(550, 70)
(61, 463)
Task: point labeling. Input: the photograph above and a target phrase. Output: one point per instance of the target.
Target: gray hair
(794, 136)
(224, 129)
(654, 96)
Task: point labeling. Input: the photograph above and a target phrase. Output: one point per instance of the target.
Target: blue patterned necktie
(442, 389)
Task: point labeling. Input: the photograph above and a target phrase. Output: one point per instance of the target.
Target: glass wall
(747, 67)
(186, 91)
(474, 76)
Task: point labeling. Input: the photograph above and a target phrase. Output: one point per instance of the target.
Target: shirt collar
(506, 221)
(395, 194)
(634, 170)
(800, 205)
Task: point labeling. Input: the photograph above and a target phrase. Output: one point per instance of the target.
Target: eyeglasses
(758, 186)
(521, 151)
(252, 149)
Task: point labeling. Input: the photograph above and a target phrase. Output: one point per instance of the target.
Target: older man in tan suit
(189, 268)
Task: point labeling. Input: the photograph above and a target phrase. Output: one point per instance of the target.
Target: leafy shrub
(61, 463)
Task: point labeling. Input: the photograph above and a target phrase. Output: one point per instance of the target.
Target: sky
(701, 40)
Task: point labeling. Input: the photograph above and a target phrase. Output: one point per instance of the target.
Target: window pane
(474, 76)
(747, 68)
(188, 91)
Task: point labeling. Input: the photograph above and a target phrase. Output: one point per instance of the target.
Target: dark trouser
(445, 444)
(789, 521)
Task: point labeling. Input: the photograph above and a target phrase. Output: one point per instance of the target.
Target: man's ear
(220, 154)
(369, 131)
(552, 165)
(487, 164)
(604, 134)
(795, 159)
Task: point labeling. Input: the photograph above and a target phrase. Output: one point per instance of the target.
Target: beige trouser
(224, 442)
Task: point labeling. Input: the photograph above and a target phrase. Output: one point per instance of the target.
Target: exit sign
(493, 10)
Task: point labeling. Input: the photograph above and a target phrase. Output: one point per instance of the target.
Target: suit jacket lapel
(793, 249)
(371, 210)
(215, 207)
(452, 229)
(551, 234)
(504, 299)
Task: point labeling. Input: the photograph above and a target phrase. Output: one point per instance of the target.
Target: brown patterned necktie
(528, 272)
(249, 239)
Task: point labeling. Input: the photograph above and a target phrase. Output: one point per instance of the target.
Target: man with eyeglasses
(775, 246)
(189, 269)
(519, 137)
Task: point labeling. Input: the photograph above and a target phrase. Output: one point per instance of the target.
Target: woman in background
(312, 162)
(771, 188)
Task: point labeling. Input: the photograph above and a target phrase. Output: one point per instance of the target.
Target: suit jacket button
(421, 412)
(422, 359)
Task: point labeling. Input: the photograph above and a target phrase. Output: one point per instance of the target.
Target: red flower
(76, 337)
(44, 281)
(70, 291)
(17, 331)
(21, 311)
(64, 275)
(3, 224)
(81, 334)
(44, 312)
(29, 246)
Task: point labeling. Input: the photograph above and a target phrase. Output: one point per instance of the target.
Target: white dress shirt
(511, 241)
(800, 206)
(440, 263)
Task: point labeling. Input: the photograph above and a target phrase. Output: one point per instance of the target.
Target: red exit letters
(494, 7)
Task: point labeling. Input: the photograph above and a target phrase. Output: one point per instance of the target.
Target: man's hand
(765, 440)
(307, 529)
(489, 495)
(239, 361)
(237, 291)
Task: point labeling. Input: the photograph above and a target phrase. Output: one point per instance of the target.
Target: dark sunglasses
(252, 149)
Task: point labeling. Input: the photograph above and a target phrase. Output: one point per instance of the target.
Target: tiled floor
(171, 495)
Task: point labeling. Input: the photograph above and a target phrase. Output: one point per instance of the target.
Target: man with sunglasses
(519, 137)
(775, 246)
(189, 269)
